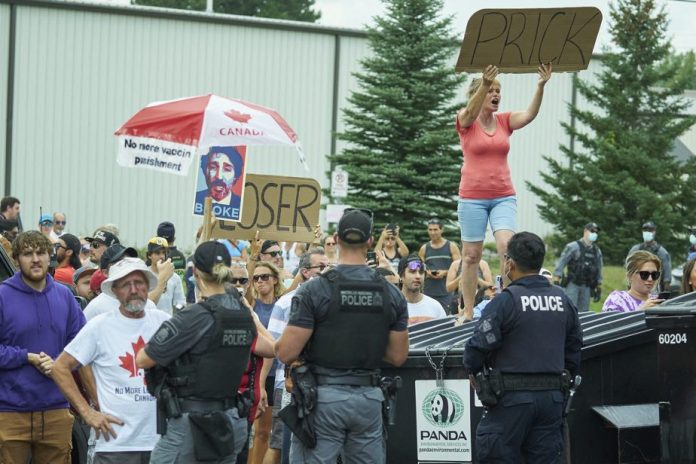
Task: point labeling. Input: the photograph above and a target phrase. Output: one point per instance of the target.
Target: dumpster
(675, 325)
(614, 414)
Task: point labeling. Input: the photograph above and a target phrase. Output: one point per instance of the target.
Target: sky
(355, 14)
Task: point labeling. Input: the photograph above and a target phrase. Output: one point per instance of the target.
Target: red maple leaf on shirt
(128, 361)
(238, 116)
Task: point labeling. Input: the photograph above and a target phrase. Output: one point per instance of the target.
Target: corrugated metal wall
(80, 71)
(4, 63)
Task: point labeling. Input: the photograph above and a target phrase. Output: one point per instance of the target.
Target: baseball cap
(208, 254)
(649, 226)
(103, 236)
(412, 262)
(45, 219)
(355, 226)
(166, 230)
(157, 243)
(84, 270)
(124, 267)
(96, 280)
(592, 226)
(115, 253)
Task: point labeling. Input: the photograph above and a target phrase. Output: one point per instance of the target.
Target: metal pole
(209, 6)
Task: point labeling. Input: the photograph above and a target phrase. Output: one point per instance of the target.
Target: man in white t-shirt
(125, 423)
(420, 307)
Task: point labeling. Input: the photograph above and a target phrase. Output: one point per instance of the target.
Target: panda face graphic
(442, 409)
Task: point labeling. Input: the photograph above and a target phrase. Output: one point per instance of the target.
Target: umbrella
(166, 135)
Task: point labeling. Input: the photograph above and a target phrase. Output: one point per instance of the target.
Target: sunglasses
(95, 245)
(416, 266)
(58, 245)
(329, 244)
(262, 277)
(61, 223)
(321, 267)
(645, 274)
(272, 254)
(239, 280)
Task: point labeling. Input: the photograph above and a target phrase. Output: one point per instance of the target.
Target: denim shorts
(475, 213)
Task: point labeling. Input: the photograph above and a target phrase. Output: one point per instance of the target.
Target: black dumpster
(614, 414)
(675, 325)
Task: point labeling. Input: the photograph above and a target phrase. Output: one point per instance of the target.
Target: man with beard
(67, 250)
(222, 168)
(37, 319)
(125, 423)
(420, 307)
(101, 240)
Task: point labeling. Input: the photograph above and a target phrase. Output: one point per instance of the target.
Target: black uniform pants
(524, 424)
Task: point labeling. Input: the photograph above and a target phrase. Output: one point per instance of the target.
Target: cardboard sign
(280, 208)
(518, 41)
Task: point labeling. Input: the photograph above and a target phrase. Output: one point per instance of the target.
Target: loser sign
(280, 208)
(518, 41)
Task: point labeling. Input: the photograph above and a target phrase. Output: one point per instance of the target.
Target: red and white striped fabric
(167, 135)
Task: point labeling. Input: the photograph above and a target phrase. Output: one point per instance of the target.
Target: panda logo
(442, 409)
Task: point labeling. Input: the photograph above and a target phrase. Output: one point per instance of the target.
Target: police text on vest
(542, 303)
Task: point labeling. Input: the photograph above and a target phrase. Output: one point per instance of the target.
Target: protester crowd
(95, 278)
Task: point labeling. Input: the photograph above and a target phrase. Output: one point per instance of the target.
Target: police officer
(584, 260)
(343, 325)
(204, 351)
(524, 389)
(653, 246)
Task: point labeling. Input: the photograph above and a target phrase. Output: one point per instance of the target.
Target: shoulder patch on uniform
(166, 332)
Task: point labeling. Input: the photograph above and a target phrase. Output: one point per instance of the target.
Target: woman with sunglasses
(330, 249)
(267, 287)
(643, 273)
(391, 245)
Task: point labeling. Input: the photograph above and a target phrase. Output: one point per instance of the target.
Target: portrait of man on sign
(221, 176)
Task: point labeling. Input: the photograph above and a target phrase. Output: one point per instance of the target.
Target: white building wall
(4, 63)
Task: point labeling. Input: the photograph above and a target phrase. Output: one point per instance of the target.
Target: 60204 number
(671, 339)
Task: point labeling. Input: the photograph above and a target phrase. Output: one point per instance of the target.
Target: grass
(614, 277)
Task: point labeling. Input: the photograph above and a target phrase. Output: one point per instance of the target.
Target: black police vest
(583, 269)
(535, 344)
(216, 373)
(355, 332)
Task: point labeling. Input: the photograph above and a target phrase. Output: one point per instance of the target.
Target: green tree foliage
(621, 173)
(402, 157)
(297, 10)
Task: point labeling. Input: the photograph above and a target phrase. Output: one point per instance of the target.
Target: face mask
(592, 237)
(692, 239)
(648, 236)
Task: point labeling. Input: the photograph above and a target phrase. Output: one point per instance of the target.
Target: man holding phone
(438, 254)
(169, 291)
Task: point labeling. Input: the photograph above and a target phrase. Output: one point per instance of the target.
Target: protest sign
(280, 208)
(221, 176)
(159, 155)
(519, 40)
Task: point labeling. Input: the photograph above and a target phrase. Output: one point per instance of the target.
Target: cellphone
(435, 272)
(371, 256)
(664, 296)
(391, 226)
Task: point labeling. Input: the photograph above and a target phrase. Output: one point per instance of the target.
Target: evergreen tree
(402, 157)
(297, 10)
(622, 173)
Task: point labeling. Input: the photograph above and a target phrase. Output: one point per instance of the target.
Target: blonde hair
(220, 274)
(637, 259)
(278, 288)
(475, 84)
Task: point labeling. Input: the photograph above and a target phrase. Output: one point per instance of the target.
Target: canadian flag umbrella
(166, 136)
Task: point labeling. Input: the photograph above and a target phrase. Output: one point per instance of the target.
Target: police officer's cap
(649, 226)
(592, 226)
(208, 254)
(355, 226)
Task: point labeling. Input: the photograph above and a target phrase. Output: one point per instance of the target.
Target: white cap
(124, 267)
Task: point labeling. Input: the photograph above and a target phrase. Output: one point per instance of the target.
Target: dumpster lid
(684, 305)
(630, 416)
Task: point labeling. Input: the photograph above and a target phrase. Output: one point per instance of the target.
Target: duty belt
(193, 405)
(348, 380)
(512, 382)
